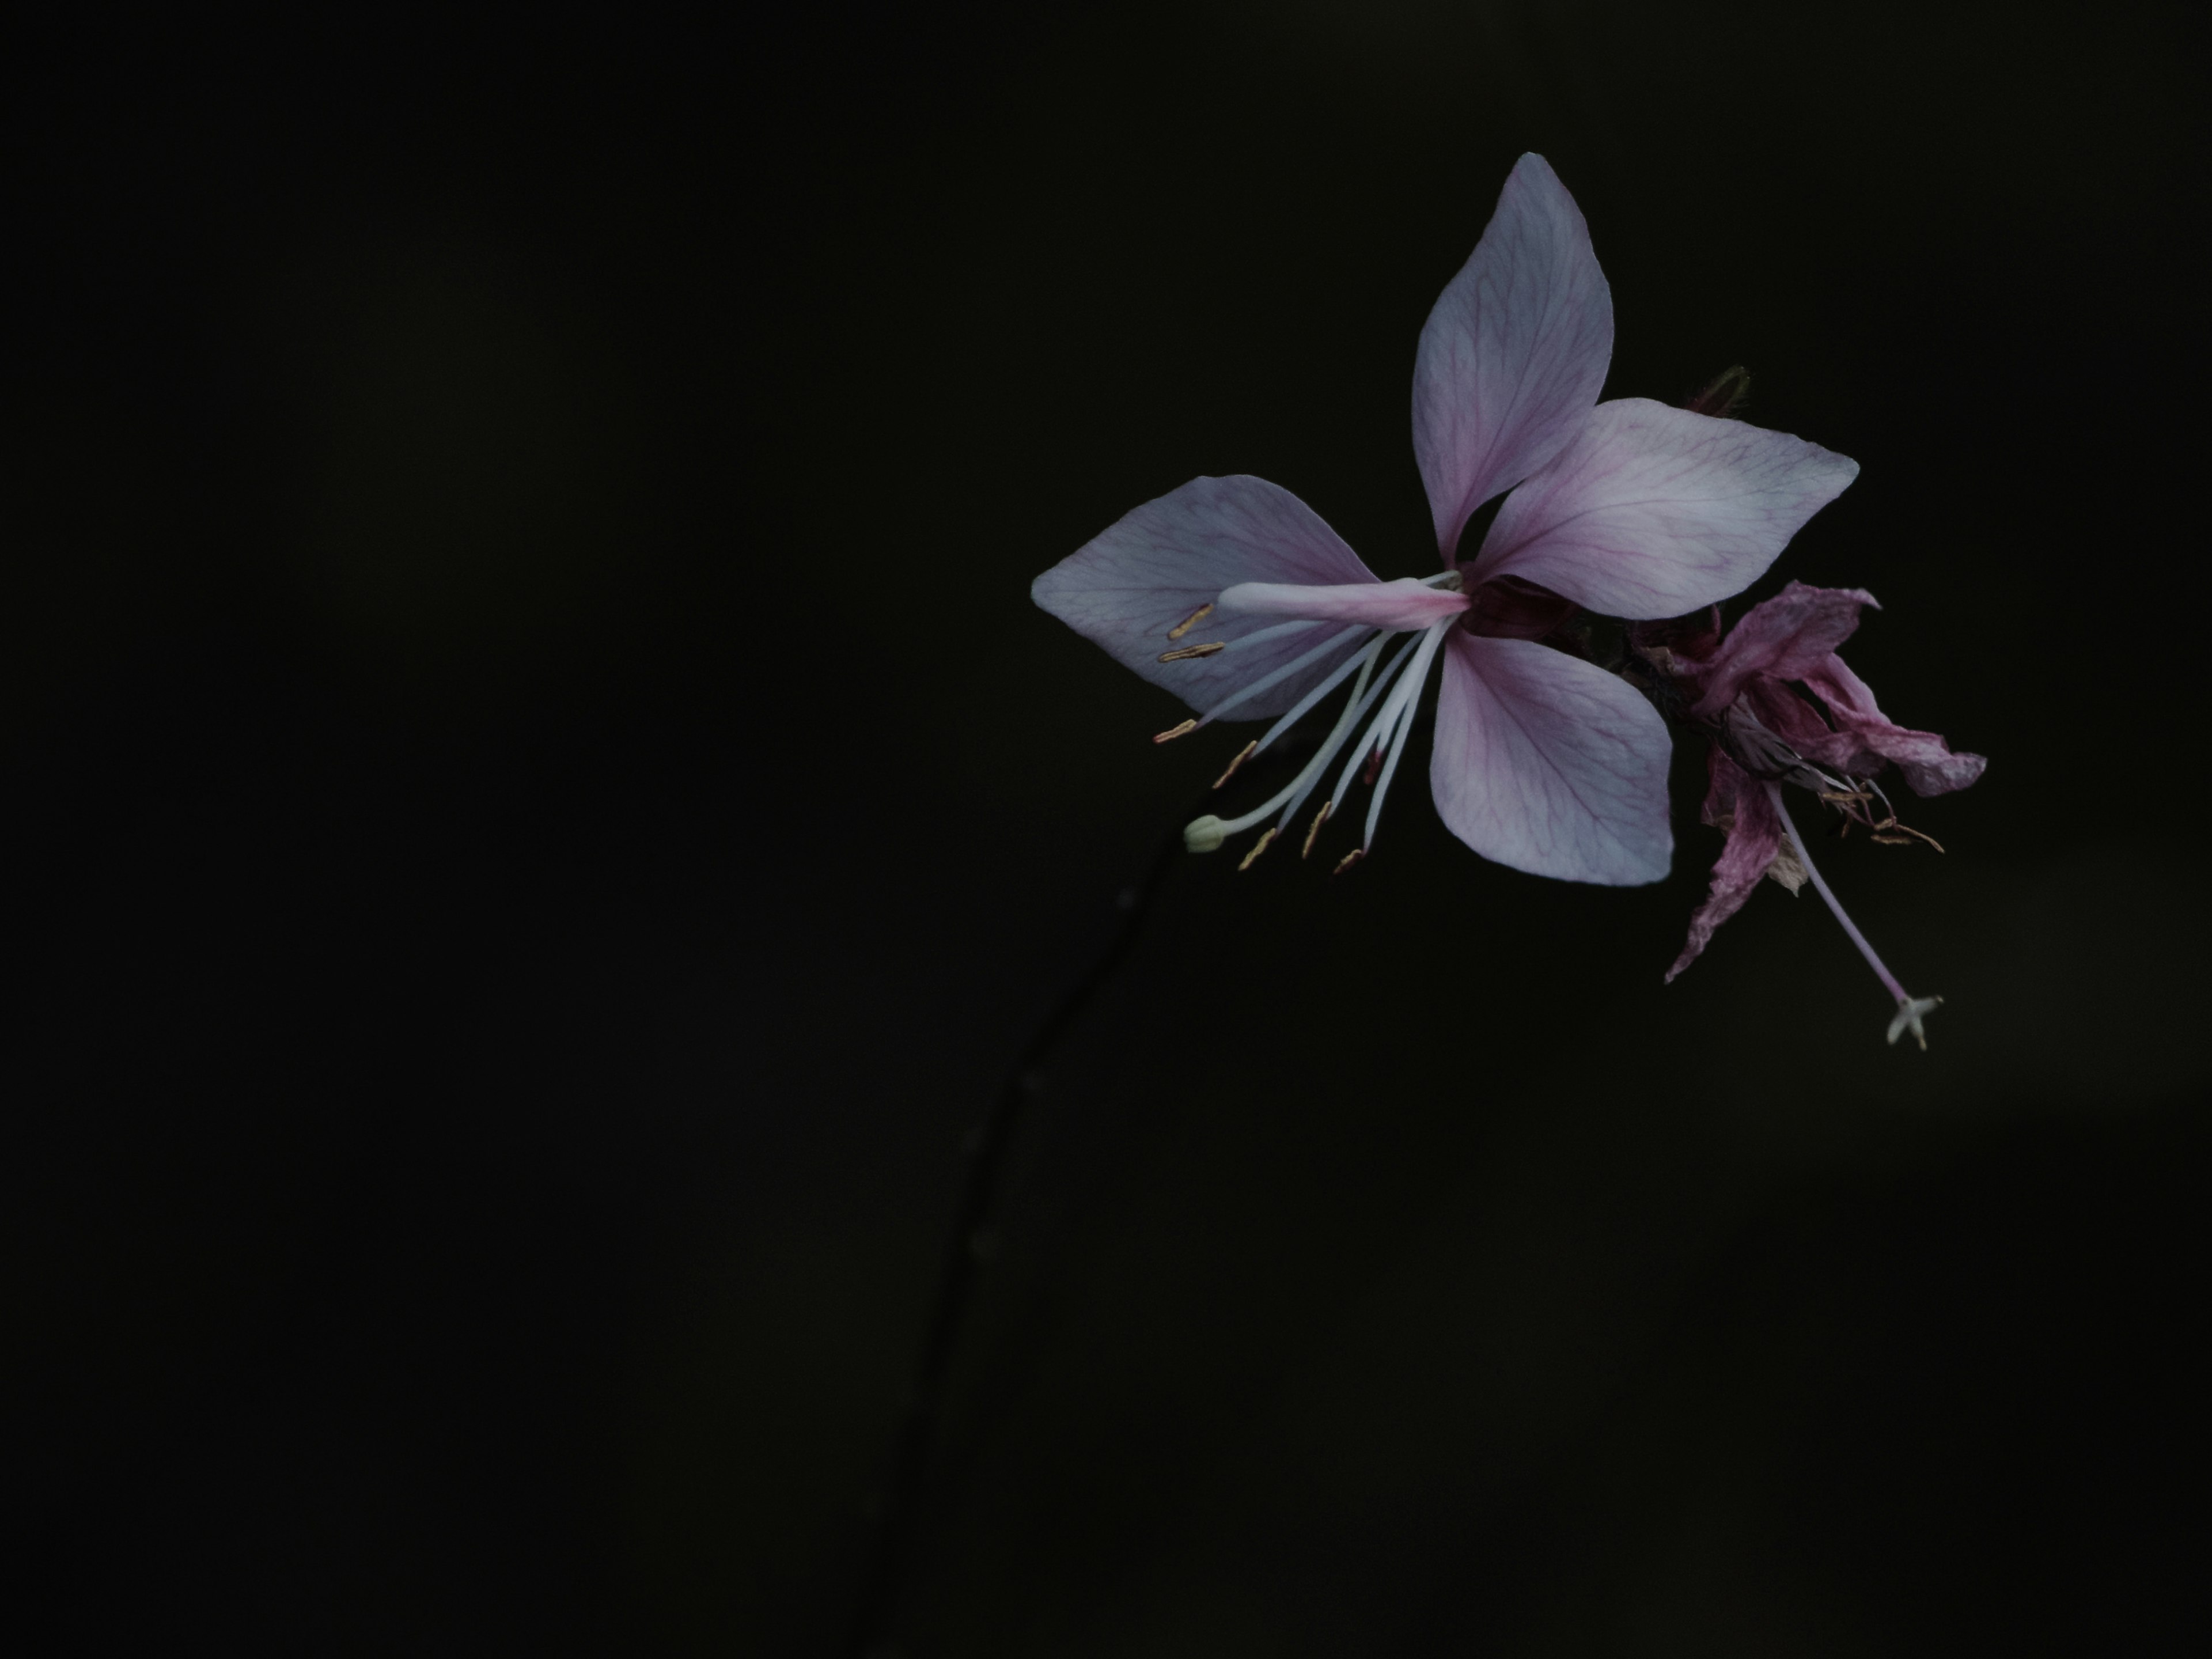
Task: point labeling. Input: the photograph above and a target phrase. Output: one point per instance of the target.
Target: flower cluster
(1234, 594)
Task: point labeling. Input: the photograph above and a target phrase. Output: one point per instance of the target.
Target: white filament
(1297, 789)
(1356, 709)
(1274, 633)
(1401, 695)
(1276, 676)
(1413, 678)
(1336, 677)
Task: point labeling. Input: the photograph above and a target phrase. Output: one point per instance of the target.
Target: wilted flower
(1780, 708)
(1543, 761)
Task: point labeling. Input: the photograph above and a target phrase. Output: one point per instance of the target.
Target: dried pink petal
(1865, 736)
(1754, 837)
(1783, 638)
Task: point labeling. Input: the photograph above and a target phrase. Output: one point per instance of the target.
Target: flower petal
(1865, 736)
(1754, 836)
(1550, 764)
(1127, 587)
(1652, 511)
(1513, 353)
(1789, 717)
(1402, 604)
(1785, 638)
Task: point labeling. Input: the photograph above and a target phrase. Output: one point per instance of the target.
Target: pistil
(1910, 1008)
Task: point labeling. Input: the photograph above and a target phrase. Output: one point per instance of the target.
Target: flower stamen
(1258, 848)
(1205, 834)
(1191, 620)
(1184, 654)
(1320, 818)
(1243, 755)
(1412, 682)
(1208, 832)
(1275, 677)
(1365, 661)
(1363, 698)
(1175, 732)
(1390, 724)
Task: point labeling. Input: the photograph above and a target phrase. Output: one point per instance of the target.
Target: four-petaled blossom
(1829, 736)
(1543, 761)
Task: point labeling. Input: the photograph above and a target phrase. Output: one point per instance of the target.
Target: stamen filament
(1910, 1008)
(1379, 733)
(1275, 677)
(1365, 661)
(1294, 792)
(1415, 677)
(1356, 707)
(1261, 636)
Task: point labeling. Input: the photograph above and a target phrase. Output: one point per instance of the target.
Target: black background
(538, 809)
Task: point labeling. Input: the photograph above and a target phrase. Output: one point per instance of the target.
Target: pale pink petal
(1785, 637)
(1513, 352)
(1403, 604)
(1550, 764)
(1652, 511)
(1754, 836)
(1865, 737)
(1125, 589)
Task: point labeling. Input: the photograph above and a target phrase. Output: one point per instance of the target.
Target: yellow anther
(1349, 859)
(1186, 652)
(1258, 848)
(1243, 755)
(1190, 622)
(1893, 834)
(1320, 818)
(1175, 732)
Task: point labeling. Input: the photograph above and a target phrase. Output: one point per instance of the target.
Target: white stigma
(1908, 1019)
(1910, 1008)
(1205, 834)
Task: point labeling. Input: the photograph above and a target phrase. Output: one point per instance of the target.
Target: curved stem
(882, 1573)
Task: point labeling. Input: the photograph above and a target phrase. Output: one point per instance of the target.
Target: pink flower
(1543, 761)
(1829, 737)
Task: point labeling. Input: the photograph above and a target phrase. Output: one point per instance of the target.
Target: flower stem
(899, 1509)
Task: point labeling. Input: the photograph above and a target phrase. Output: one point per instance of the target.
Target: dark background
(538, 810)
